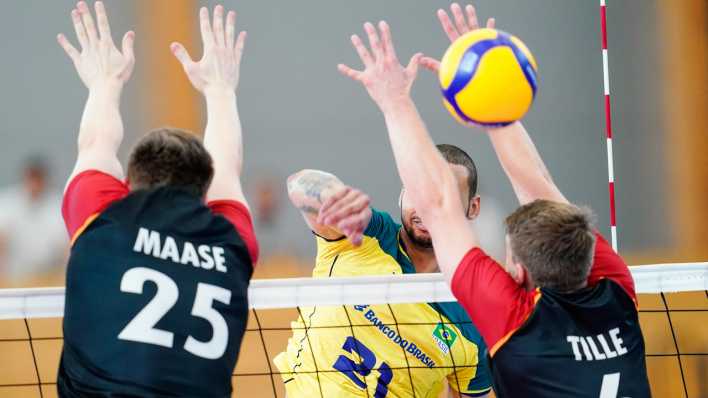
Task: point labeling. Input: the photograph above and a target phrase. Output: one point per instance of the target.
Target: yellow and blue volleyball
(488, 77)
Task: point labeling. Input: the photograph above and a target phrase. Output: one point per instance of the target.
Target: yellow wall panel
(665, 377)
(45, 328)
(252, 358)
(48, 353)
(20, 392)
(691, 330)
(17, 366)
(657, 334)
(13, 329)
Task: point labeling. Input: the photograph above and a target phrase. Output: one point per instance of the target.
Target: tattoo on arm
(312, 184)
(308, 189)
(309, 209)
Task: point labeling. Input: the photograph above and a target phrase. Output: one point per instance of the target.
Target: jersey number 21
(368, 361)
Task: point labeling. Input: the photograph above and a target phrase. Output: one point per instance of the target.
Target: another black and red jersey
(156, 291)
(583, 344)
(545, 343)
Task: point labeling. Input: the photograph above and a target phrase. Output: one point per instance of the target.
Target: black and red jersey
(156, 291)
(545, 343)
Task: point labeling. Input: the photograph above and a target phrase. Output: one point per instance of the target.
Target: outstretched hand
(384, 77)
(221, 61)
(464, 23)
(99, 62)
(347, 211)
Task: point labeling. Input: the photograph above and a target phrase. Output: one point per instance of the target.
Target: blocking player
(397, 349)
(156, 301)
(564, 320)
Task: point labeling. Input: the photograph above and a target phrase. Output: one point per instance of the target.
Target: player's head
(465, 172)
(550, 244)
(170, 157)
(34, 177)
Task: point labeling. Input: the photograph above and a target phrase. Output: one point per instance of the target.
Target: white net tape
(295, 292)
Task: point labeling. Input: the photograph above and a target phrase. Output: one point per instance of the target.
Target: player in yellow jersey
(397, 350)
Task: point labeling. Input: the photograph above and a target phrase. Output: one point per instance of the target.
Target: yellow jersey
(395, 350)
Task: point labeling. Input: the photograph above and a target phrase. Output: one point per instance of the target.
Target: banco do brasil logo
(444, 336)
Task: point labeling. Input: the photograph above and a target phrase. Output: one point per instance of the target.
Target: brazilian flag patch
(444, 336)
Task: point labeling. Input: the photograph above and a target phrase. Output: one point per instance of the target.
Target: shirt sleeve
(86, 196)
(238, 215)
(496, 304)
(381, 226)
(351, 260)
(472, 381)
(608, 264)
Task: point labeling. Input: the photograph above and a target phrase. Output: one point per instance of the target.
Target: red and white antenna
(608, 123)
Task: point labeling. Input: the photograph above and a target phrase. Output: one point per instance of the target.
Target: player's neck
(423, 258)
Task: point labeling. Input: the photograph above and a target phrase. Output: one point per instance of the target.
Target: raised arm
(516, 152)
(426, 176)
(331, 209)
(216, 76)
(523, 164)
(104, 70)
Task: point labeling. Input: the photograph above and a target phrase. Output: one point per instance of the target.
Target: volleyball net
(673, 306)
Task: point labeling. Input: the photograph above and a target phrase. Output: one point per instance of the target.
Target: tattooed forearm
(309, 209)
(311, 184)
(308, 190)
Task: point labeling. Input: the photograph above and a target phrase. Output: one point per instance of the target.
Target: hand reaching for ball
(219, 67)
(99, 63)
(464, 23)
(385, 79)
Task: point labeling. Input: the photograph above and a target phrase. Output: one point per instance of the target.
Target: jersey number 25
(142, 327)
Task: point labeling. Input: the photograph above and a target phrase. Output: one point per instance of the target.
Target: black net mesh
(675, 327)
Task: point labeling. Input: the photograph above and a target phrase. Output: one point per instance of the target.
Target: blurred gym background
(298, 112)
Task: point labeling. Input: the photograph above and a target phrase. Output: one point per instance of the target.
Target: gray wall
(298, 112)
(42, 97)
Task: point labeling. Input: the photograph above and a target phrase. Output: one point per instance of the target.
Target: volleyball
(488, 77)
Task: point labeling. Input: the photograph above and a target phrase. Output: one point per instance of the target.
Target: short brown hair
(456, 155)
(170, 157)
(554, 241)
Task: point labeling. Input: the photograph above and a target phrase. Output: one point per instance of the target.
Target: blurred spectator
(267, 201)
(279, 230)
(33, 241)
